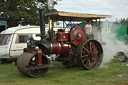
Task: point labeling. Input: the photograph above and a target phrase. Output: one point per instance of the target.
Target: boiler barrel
(60, 47)
(54, 47)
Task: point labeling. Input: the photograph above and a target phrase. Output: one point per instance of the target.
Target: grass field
(115, 74)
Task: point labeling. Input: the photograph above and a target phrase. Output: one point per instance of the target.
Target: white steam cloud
(112, 44)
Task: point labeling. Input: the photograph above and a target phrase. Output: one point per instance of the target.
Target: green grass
(115, 74)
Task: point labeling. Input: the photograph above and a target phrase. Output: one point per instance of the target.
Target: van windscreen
(4, 39)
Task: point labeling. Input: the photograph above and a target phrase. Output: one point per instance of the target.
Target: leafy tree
(122, 21)
(22, 11)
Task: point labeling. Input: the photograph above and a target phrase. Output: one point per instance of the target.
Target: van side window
(4, 39)
(22, 38)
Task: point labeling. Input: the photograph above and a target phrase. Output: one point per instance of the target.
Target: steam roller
(71, 48)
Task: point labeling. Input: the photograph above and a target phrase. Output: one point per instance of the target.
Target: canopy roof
(69, 16)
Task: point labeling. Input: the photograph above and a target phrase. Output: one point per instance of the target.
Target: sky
(117, 8)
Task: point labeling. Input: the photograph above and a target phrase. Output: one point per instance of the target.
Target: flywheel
(77, 35)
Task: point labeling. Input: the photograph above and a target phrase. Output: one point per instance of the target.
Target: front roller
(90, 54)
(27, 64)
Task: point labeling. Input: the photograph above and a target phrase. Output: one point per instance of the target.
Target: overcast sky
(117, 8)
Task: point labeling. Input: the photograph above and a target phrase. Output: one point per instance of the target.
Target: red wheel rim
(90, 54)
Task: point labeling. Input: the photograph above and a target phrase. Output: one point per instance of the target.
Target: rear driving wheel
(90, 54)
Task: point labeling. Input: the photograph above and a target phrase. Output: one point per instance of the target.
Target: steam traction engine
(72, 48)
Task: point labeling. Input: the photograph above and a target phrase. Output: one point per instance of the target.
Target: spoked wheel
(29, 60)
(90, 54)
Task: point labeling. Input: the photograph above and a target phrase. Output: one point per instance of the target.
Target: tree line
(122, 21)
(23, 11)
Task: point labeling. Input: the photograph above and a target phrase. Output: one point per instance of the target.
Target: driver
(88, 29)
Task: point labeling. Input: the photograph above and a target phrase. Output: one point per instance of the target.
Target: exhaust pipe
(42, 23)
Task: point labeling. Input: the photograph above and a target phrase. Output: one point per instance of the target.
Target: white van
(13, 40)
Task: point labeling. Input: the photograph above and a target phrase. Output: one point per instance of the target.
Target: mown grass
(115, 74)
